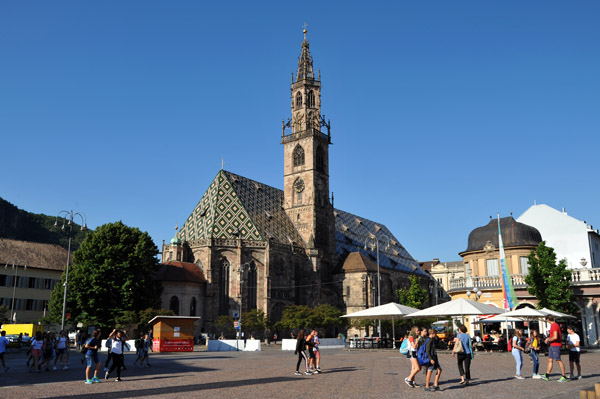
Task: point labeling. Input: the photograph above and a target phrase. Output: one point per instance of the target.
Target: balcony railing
(578, 277)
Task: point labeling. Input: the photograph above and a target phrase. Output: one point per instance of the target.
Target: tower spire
(305, 62)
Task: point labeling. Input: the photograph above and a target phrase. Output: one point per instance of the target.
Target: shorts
(61, 351)
(91, 359)
(2, 355)
(36, 352)
(411, 355)
(574, 356)
(434, 366)
(140, 352)
(554, 352)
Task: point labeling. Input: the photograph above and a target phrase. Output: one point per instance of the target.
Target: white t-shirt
(116, 346)
(573, 339)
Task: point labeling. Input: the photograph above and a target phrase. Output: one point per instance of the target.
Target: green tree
(146, 315)
(294, 316)
(415, 296)
(224, 324)
(548, 281)
(325, 316)
(254, 322)
(112, 272)
(3, 314)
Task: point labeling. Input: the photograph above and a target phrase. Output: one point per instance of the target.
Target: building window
(492, 267)
(193, 306)
(4, 279)
(171, 255)
(299, 197)
(298, 99)
(320, 159)
(224, 287)
(310, 101)
(29, 304)
(467, 270)
(348, 291)
(298, 156)
(179, 256)
(252, 287)
(524, 265)
(174, 305)
(32, 282)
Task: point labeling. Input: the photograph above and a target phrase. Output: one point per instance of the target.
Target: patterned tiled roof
(234, 202)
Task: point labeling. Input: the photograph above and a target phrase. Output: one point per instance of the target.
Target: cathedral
(252, 246)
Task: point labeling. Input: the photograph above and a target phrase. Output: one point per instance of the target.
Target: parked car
(13, 341)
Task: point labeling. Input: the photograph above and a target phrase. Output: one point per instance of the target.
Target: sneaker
(6, 369)
(578, 377)
(318, 368)
(105, 369)
(297, 373)
(88, 381)
(95, 379)
(429, 389)
(307, 372)
(408, 382)
(106, 375)
(415, 385)
(118, 379)
(536, 377)
(544, 377)
(436, 388)
(519, 377)
(562, 379)
(66, 368)
(316, 372)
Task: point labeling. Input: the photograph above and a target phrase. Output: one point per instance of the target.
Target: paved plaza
(270, 374)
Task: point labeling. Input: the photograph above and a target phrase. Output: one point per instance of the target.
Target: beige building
(28, 273)
(442, 273)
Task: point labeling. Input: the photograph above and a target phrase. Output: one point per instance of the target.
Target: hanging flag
(510, 298)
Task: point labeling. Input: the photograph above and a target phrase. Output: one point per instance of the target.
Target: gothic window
(298, 156)
(224, 287)
(320, 159)
(299, 197)
(310, 100)
(193, 306)
(252, 287)
(174, 305)
(298, 99)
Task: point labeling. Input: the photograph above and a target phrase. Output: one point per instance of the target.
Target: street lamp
(15, 267)
(373, 242)
(68, 216)
(477, 295)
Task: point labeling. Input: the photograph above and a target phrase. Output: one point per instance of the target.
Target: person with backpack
(411, 354)
(91, 356)
(117, 349)
(300, 347)
(139, 350)
(428, 357)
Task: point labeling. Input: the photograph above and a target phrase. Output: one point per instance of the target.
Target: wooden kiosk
(173, 333)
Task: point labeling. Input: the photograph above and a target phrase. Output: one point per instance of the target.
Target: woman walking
(412, 356)
(533, 343)
(117, 349)
(517, 352)
(300, 345)
(464, 354)
(36, 350)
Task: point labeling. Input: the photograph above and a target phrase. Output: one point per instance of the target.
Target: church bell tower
(306, 160)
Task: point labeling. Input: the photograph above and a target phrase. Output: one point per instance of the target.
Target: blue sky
(443, 113)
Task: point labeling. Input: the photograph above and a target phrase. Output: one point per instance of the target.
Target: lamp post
(477, 295)
(373, 242)
(68, 217)
(15, 267)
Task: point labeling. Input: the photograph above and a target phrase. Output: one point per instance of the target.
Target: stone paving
(270, 373)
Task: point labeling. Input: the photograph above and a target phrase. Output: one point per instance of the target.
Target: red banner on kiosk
(173, 345)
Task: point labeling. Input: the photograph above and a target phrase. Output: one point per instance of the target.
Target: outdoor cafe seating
(369, 343)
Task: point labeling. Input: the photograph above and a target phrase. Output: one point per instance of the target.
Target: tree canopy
(548, 281)
(111, 273)
(300, 316)
(415, 296)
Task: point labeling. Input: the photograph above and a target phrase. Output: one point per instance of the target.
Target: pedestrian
(413, 338)
(310, 345)
(36, 350)
(434, 363)
(517, 352)
(20, 341)
(91, 356)
(464, 354)
(3, 345)
(300, 347)
(61, 350)
(47, 350)
(316, 350)
(108, 346)
(275, 339)
(534, 344)
(555, 342)
(79, 339)
(574, 345)
(117, 350)
(146, 346)
(139, 350)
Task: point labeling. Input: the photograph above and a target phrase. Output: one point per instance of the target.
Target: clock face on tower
(299, 185)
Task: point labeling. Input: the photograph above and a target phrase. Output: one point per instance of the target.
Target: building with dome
(260, 247)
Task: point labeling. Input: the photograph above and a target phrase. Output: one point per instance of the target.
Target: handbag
(458, 347)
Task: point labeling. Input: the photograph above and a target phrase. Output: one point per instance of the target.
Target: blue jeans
(518, 355)
(535, 356)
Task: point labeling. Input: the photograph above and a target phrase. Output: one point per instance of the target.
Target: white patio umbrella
(498, 318)
(389, 311)
(525, 313)
(458, 307)
(556, 314)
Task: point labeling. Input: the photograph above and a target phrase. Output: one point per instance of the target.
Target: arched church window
(224, 287)
(320, 159)
(298, 99)
(252, 287)
(174, 305)
(310, 99)
(298, 156)
(193, 306)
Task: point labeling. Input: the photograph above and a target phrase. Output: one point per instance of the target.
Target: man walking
(574, 345)
(555, 341)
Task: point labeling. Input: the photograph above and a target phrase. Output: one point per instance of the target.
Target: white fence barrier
(326, 343)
